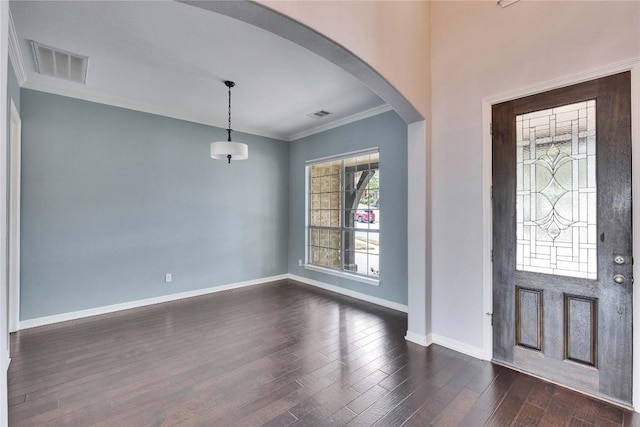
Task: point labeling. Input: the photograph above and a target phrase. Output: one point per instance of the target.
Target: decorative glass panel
(556, 191)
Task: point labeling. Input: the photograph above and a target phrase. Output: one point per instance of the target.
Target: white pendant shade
(220, 150)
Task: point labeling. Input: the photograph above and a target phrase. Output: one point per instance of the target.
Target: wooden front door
(562, 255)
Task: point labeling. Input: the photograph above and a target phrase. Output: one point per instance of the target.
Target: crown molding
(341, 122)
(14, 53)
(41, 85)
(595, 73)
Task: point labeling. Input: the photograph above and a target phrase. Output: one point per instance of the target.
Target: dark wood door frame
(632, 65)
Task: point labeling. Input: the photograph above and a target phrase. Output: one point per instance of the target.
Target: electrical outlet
(300, 262)
(167, 277)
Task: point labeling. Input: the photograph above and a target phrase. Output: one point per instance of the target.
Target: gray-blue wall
(112, 199)
(13, 91)
(388, 132)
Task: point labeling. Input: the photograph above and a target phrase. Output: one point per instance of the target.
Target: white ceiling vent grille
(58, 63)
(318, 114)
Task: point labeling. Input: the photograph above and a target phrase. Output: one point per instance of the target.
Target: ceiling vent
(318, 114)
(58, 63)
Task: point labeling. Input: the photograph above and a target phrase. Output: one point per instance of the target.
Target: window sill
(367, 280)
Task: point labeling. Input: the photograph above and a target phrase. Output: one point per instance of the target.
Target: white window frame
(375, 281)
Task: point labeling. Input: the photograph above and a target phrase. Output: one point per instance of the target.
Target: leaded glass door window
(556, 190)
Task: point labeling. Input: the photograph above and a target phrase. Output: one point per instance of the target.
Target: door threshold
(601, 398)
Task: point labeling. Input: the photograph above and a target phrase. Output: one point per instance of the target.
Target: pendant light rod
(229, 84)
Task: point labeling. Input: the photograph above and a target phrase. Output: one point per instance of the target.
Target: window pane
(325, 200)
(330, 258)
(373, 265)
(326, 184)
(335, 200)
(374, 243)
(315, 185)
(334, 218)
(335, 183)
(314, 218)
(374, 182)
(360, 260)
(330, 239)
(314, 237)
(349, 218)
(315, 201)
(315, 170)
(324, 218)
(374, 216)
(350, 262)
(556, 191)
(343, 202)
(314, 255)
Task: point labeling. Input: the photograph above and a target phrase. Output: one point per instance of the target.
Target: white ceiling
(170, 58)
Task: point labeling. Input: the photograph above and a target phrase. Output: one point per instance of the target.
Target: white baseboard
(48, 320)
(364, 297)
(458, 346)
(75, 315)
(423, 340)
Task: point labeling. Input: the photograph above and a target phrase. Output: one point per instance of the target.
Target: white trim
(632, 65)
(14, 163)
(343, 274)
(342, 156)
(585, 76)
(341, 122)
(4, 335)
(353, 294)
(423, 340)
(307, 203)
(419, 240)
(15, 53)
(458, 346)
(48, 320)
(487, 230)
(75, 315)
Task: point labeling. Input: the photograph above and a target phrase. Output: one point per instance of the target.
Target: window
(343, 216)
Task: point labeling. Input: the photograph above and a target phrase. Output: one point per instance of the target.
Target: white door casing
(15, 156)
(632, 65)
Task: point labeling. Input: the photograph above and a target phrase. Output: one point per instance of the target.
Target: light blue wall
(112, 199)
(388, 132)
(13, 91)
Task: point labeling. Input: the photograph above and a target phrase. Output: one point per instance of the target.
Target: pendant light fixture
(228, 149)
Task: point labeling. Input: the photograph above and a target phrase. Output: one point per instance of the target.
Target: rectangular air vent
(318, 114)
(54, 62)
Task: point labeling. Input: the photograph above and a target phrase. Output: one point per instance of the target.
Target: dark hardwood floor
(277, 354)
